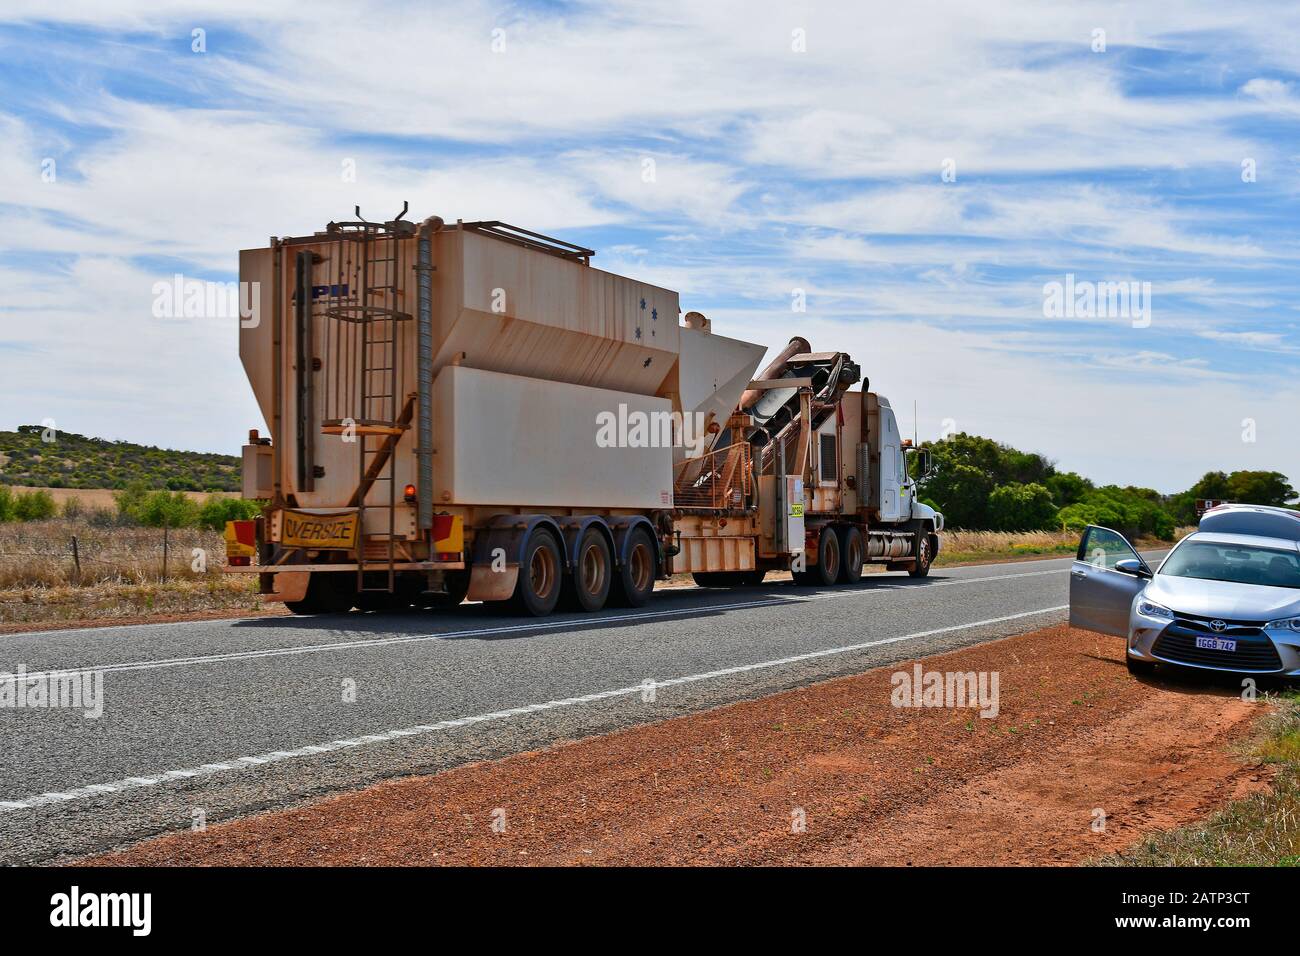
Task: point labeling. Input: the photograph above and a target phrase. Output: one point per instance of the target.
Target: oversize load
(301, 530)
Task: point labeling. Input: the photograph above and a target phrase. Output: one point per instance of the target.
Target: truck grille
(1255, 652)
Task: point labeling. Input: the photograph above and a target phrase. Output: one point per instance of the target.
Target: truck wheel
(827, 570)
(851, 554)
(635, 580)
(327, 593)
(540, 574)
(921, 567)
(587, 586)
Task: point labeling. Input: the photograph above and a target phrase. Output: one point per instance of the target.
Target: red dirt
(876, 784)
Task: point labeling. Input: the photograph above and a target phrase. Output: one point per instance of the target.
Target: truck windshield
(1240, 564)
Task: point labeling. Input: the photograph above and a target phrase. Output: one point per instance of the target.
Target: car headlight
(1157, 611)
(1285, 624)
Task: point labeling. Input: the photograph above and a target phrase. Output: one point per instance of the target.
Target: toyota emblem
(1217, 625)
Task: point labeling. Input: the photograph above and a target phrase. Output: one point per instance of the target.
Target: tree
(1017, 507)
(1067, 488)
(961, 492)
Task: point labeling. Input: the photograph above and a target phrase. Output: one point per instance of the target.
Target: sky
(905, 182)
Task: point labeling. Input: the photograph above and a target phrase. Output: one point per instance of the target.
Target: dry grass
(183, 597)
(103, 497)
(40, 553)
(964, 546)
(121, 573)
(1262, 830)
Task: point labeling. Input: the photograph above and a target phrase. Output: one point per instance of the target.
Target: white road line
(278, 756)
(553, 624)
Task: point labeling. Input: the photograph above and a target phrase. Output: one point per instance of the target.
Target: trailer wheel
(635, 581)
(540, 575)
(851, 554)
(924, 555)
(327, 593)
(587, 586)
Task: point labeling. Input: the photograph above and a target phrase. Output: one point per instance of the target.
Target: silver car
(1226, 598)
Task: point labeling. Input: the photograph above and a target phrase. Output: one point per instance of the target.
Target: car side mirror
(1134, 567)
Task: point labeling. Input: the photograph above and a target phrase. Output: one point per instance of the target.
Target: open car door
(1101, 592)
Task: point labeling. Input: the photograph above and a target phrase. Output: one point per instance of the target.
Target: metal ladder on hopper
(379, 421)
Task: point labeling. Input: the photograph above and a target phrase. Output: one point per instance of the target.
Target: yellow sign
(300, 530)
(796, 511)
(241, 539)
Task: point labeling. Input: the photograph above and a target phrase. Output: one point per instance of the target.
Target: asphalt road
(213, 719)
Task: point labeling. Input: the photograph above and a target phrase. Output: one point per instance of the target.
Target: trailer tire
(852, 554)
(327, 593)
(587, 585)
(635, 580)
(541, 573)
(924, 555)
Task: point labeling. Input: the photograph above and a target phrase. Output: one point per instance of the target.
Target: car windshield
(1241, 564)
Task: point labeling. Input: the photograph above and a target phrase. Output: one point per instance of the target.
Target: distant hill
(75, 461)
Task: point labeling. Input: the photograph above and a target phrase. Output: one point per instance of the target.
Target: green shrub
(72, 508)
(1016, 507)
(216, 511)
(6, 504)
(34, 506)
(130, 500)
(169, 509)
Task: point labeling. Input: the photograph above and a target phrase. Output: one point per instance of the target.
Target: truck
(472, 411)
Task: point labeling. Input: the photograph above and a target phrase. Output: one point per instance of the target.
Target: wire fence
(64, 552)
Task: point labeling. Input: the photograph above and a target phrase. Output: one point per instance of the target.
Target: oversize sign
(301, 530)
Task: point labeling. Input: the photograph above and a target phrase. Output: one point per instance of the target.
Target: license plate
(1216, 644)
(301, 530)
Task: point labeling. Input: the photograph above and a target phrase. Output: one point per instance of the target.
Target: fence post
(164, 568)
(76, 561)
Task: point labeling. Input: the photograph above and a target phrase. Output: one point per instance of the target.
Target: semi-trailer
(473, 411)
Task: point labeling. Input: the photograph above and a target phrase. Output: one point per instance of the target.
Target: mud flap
(288, 586)
(498, 550)
(486, 584)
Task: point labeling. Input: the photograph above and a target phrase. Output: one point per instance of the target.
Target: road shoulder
(1080, 760)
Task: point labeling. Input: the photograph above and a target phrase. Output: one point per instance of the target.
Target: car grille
(1201, 625)
(1255, 652)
